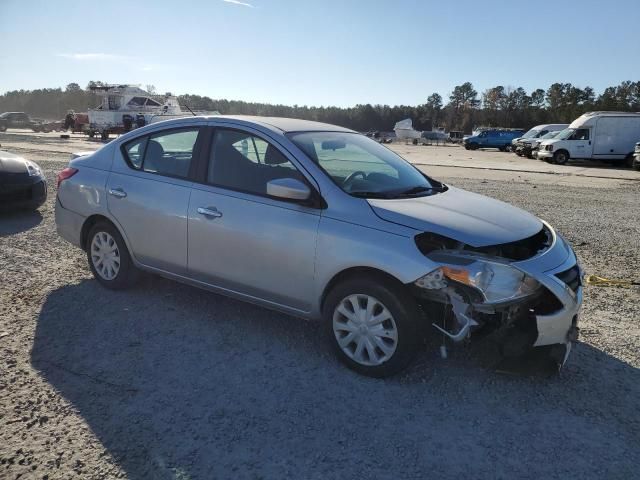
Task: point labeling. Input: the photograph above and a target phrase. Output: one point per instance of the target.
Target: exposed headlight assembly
(32, 169)
(496, 281)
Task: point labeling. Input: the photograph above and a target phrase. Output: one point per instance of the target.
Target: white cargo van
(606, 136)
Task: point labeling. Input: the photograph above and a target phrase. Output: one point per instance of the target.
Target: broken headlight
(495, 280)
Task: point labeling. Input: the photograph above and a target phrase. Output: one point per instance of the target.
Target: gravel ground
(168, 381)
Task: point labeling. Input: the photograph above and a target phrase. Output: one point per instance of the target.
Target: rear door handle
(209, 212)
(117, 192)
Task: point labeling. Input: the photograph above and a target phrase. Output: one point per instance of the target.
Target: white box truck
(605, 136)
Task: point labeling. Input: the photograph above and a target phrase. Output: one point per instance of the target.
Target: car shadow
(18, 221)
(176, 382)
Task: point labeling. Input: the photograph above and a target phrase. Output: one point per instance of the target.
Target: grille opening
(546, 304)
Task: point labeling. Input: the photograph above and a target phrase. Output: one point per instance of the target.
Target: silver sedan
(321, 222)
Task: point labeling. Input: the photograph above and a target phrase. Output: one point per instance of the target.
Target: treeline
(465, 108)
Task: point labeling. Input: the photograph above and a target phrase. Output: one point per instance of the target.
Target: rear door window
(167, 153)
(170, 153)
(134, 152)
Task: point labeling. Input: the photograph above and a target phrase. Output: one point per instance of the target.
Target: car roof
(285, 125)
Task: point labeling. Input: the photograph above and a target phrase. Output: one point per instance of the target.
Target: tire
(629, 160)
(502, 149)
(399, 331)
(104, 135)
(561, 157)
(473, 146)
(3, 128)
(636, 165)
(91, 133)
(102, 238)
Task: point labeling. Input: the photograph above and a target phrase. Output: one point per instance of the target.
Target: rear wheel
(108, 257)
(560, 157)
(372, 324)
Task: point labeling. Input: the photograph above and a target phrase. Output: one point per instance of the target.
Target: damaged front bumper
(544, 317)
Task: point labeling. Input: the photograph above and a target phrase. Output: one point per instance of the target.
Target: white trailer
(605, 136)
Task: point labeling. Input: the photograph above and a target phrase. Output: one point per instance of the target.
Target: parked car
(324, 223)
(18, 120)
(22, 184)
(605, 136)
(500, 139)
(524, 145)
(636, 157)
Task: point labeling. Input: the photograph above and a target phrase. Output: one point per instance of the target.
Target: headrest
(273, 157)
(154, 149)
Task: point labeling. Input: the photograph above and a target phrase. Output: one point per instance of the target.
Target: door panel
(153, 216)
(148, 194)
(580, 149)
(257, 246)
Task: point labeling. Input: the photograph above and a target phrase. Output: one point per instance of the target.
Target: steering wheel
(352, 176)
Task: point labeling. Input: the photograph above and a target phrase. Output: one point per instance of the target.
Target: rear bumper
(68, 224)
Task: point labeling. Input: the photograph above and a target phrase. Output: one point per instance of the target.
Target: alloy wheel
(365, 330)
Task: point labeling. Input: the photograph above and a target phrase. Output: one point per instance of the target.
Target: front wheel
(108, 257)
(3, 128)
(372, 325)
(629, 160)
(560, 157)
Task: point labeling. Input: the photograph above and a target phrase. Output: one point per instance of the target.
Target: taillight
(66, 173)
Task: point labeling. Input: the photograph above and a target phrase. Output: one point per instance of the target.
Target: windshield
(551, 135)
(531, 134)
(565, 134)
(362, 167)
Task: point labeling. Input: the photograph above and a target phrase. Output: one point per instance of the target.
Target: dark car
(22, 184)
(18, 120)
(495, 138)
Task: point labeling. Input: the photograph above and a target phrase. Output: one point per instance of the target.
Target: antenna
(190, 110)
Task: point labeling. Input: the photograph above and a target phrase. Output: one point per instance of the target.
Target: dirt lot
(168, 381)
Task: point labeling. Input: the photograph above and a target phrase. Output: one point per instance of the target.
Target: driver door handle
(211, 212)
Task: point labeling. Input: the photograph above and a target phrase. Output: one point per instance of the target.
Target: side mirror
(288, 188)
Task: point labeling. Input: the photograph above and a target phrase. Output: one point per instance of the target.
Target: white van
(607, 136)
(524, 145)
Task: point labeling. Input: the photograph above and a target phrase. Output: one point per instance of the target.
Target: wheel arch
(90, 221)
(353, 272)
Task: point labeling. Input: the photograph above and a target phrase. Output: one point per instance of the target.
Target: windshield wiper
(422, 188)
(364, 194)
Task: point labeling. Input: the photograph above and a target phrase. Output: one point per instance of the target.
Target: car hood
(10, 163)
(467, 217)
